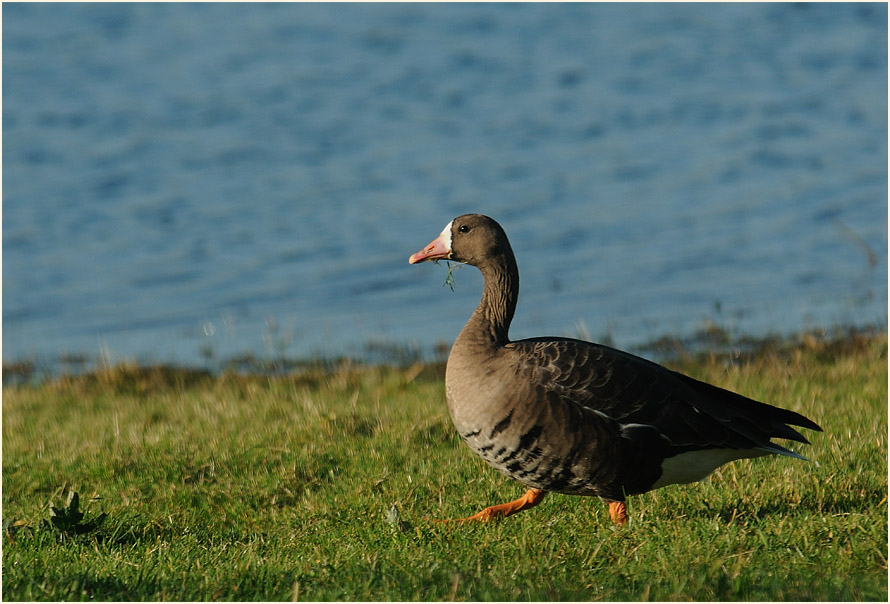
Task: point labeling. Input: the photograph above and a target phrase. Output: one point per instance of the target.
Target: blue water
(187, 182)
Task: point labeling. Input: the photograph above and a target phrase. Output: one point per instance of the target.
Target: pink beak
(436, 250)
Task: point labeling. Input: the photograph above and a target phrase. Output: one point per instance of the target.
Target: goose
(569, 416)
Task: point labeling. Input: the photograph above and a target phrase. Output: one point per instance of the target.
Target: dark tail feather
(787, 432)
(780, 450)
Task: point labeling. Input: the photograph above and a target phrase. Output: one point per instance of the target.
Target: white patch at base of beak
(446, 235)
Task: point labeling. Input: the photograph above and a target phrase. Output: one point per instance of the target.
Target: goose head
(471, 239)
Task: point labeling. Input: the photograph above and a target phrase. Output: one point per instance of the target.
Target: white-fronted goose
(569, 416)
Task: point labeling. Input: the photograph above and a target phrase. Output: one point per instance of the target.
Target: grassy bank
(320, 486)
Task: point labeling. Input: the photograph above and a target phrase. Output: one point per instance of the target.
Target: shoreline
(712, 341)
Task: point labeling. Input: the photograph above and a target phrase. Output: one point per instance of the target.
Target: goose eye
(463, 229)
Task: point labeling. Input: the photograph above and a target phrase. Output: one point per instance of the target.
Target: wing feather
(691, 414)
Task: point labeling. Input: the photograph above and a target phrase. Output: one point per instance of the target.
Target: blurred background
(190, 183)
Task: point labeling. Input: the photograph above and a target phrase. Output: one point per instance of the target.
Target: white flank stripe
(692, 466)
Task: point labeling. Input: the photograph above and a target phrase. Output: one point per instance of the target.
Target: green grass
(273, 488)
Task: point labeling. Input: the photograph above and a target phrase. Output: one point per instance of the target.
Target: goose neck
(495, 311)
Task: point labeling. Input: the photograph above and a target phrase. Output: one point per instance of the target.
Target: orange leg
(531, 498)
(618, 512)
